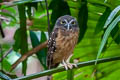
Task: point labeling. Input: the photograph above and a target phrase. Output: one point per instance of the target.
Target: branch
(1, 59)
(29, 53)
(60, 69)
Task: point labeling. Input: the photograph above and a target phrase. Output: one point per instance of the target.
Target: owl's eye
(62, 22)
(73, 22)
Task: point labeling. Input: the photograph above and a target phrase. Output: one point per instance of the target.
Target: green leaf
(6, 65)
(35, 42)
(8, 15)
(99, 3)
(43, 51)
(34, 39)
(17, 38)
(59, 8)
(111, 16)
(116, 34)
(40, 24)
(19, 2)
(29, 6)
(33, 4)
(102, 20)
(105, 37)
(82, 19)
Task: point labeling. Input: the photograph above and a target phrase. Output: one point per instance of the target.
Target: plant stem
(48, 17)
(1, 30)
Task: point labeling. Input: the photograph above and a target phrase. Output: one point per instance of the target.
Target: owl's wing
(52, 48)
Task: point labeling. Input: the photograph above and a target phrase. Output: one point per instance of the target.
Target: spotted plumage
(62, 40)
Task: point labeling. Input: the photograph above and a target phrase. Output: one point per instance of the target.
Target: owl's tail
(49, 77)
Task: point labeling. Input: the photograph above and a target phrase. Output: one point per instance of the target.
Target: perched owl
(62, 41)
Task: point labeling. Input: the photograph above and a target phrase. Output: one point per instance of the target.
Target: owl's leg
(68, 60)
(70, 65)
(67, 64)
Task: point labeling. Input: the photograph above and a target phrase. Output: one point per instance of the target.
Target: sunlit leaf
(111, 16)
(106, 35)
(8, 15)
(39, 24)
(6, 65)
(29, 6)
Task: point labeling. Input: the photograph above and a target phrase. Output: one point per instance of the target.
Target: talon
(71, 65)
(68, 65)
(65, 65)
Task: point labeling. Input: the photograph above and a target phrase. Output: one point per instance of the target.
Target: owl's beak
(68, 26)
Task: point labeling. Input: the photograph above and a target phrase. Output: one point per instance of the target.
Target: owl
(62, 42)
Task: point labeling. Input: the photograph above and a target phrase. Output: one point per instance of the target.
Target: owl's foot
(68, 65)
(71, 65)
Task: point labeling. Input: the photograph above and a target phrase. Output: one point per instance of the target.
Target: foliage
(99, 33)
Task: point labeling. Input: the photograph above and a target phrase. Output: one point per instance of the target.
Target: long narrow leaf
(59, 8)
(19, 2)
(35, 42)
(82, 19)
(102, 20)
(111, 16)
(23, 35)
(105, 37)
(115, 34)
(8, 15)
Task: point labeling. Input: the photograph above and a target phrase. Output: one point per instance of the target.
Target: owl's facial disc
(69, 24)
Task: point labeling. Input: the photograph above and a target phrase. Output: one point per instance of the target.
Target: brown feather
(65, 42)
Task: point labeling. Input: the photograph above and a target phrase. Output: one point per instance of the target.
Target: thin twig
(1, 30)
(29, 53)
(5, 54)
(48, 17)
(60, 69)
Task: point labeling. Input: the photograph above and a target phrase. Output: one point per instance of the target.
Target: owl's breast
(65, 44)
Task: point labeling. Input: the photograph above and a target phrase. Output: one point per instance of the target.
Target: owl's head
(67, 22)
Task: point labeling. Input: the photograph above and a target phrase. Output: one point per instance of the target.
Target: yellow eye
(62, 22)
(73, 22)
